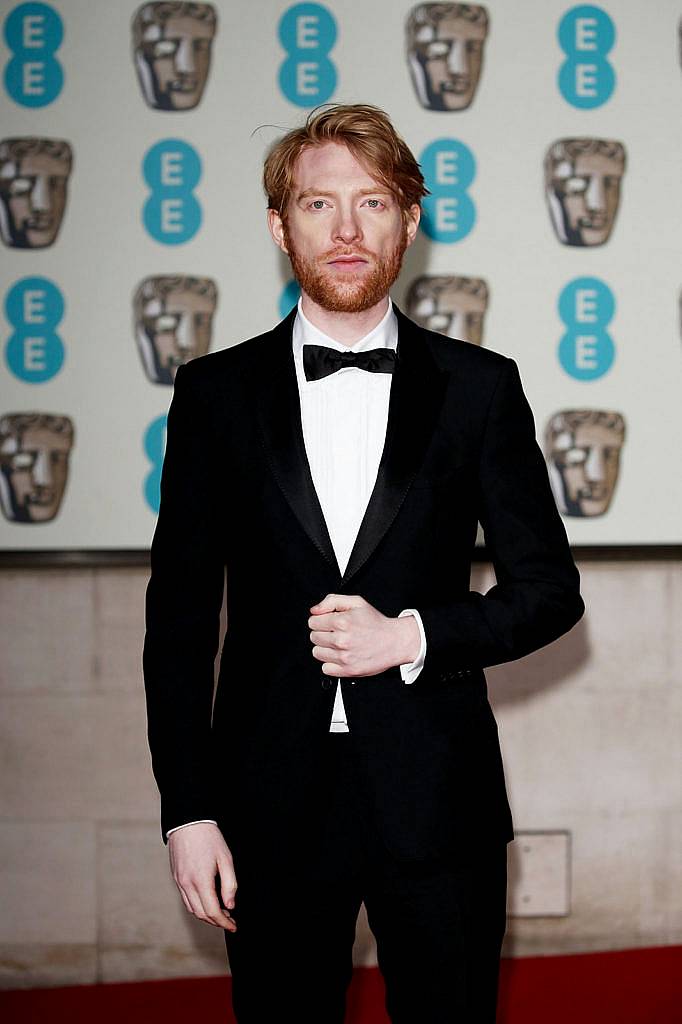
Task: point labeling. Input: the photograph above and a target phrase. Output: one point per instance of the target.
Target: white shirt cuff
(410, 671)
(208, 821)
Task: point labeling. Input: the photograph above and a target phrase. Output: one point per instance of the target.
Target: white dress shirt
(344, 417)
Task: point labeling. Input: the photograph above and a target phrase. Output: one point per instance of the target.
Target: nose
(594, 464)
(42, 476)
(457, 61)
(594, 196)
(346, 227)
(40, 194)
(183, 334)
(184, 55)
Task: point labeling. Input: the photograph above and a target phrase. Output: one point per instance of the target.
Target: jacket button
(327, 682)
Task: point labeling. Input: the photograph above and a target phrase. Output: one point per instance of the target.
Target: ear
(276, 229)
(412, 217)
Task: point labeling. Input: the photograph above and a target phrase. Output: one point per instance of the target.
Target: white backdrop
(103, 250)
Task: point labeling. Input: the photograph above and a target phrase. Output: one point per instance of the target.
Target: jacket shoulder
(216, 370)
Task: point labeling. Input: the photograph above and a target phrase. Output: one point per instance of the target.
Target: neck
(346, 328)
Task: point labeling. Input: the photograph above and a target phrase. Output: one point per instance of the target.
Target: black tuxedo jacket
(237, 495)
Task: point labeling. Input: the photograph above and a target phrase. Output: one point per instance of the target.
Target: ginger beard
(356, 292)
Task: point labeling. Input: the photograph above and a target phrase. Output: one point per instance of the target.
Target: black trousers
(438, 924)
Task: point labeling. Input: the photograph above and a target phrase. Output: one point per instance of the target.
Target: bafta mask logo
(34, 464)
(453, 306)
(445, 53)
(34, 173)
(582, 185)
(583, 451)
(172, 52)
(173, 322)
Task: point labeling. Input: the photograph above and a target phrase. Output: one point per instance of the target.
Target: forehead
(330, 164)
(177, 27)
(37, 437)
(586, 163)
(587, 435)
(177, 300)
(34, 163)
(452, 296)
(448, 27)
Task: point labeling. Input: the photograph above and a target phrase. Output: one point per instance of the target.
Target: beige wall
(591, 730)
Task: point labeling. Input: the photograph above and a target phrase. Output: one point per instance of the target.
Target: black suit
(237, 491)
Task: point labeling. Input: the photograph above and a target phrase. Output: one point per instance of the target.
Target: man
(336, 467)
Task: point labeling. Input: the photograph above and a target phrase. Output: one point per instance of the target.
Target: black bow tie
(320, 360)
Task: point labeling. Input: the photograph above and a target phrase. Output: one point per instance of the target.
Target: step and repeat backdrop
(134, 238)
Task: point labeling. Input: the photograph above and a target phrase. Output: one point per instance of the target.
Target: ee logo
(154, 444)
(307, 32)
(33, 33)
(586, 35)
(288, 298)
(34, 307)
(449, 169)
(586, 306)
(172, 213)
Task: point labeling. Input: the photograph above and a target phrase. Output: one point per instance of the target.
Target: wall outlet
(539, 871)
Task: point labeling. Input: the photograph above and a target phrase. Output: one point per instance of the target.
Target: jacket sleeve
(536, 597)
(183, 601)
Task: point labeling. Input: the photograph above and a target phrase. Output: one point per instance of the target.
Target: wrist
(408, 642)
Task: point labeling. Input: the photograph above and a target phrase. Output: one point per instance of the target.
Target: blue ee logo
(586, 35)
(34, 307)
(154, 444)
(307, 32)
(33, 33)
(172, 213)
(586, 306)
(288, 298)
(449, 168)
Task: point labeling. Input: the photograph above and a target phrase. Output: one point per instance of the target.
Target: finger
(188, 905)
(336, 602)
(210, 908)
(333, 639)
(330, 668)
(326, 621)
(326, 653)
(226, 882)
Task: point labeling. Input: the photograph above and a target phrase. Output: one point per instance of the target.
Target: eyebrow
(363, 192)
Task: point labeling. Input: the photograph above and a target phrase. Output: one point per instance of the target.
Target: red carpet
(641, 986)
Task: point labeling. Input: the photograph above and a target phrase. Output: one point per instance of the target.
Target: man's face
(452, 306)
(33, 197)
(344, 232)
(173, 61)
(583, 194)
(34, 464)
(585, 459)
(445, 54)
(174, 327)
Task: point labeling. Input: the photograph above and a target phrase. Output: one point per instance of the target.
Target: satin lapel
(417, 391)
(279, 412)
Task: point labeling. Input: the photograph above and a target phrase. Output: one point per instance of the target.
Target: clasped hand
(352, 638)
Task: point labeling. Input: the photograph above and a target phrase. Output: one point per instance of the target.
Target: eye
(375, 204)
(21, 185)
(317, 204)
(575, 456)
(437, 48)
(166, 322)
(22, 460)
(164, 47)
(575, 184)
